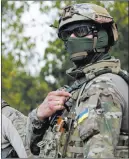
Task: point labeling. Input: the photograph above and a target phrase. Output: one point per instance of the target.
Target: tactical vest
(19, 121)
(56, 143)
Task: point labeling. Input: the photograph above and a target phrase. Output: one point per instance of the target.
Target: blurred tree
(119, 10)
(13, 33)
(19, 88)
(24, 91)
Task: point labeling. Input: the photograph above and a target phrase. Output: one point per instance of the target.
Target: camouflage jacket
(11, 140)
(96, 126)
(21, 123)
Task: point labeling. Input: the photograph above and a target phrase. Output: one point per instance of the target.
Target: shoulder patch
(83, 115)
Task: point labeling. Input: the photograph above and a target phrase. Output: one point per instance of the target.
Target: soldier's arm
(38, 121)
(100, 131)
(35, 131)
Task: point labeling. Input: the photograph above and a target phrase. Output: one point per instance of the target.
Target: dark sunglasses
(79, 31)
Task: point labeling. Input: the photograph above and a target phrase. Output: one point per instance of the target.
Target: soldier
(95, 121)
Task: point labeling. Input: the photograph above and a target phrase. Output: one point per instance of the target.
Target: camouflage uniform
(96, 126)
(10, 137)
(25, 127)
(104, 132)
(21, 123)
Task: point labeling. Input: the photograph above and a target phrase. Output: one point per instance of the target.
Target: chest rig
(62, 138)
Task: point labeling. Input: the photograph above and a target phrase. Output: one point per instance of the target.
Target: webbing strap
(95, 42)
(122, 147)
(75, 138)
(79, 54)
(74, 149)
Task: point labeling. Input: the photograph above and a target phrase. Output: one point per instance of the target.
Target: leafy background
(24, 90)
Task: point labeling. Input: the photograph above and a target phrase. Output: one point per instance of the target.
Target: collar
(92, 70)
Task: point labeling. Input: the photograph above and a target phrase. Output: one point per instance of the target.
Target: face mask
(76, 45)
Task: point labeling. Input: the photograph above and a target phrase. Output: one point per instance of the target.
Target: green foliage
(19, 88)
(13, 32)
(120, 50)
(24, 91)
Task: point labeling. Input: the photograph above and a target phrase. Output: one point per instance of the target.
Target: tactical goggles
(78, 31)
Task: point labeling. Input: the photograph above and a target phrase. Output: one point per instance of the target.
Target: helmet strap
(95, 38)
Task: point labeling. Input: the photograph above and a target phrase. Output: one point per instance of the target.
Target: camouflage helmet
(88, 12)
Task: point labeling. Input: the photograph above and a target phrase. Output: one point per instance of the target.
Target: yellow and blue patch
(83, 115)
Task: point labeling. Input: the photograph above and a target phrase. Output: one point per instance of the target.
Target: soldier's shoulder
(109, 84)
(112, 77)
(109, 78)
(115, 82)
(12, 113)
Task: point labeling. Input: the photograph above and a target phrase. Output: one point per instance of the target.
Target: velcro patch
(83, 115)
